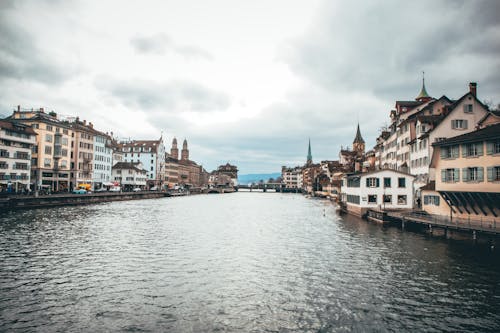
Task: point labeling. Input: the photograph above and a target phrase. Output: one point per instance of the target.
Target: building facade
(16, 142)
(129, 175)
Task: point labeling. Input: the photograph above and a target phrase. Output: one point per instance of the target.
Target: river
(242, 262)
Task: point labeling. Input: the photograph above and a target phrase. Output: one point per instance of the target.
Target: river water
(242, 262)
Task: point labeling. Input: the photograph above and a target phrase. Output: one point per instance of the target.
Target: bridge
(264, 187)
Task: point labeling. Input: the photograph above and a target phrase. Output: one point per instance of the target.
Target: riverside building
(16, 142)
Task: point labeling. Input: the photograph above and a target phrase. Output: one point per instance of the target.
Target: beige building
(83, 152)
(183, 172)
(51, 155)
(16, 142)
(467, 184)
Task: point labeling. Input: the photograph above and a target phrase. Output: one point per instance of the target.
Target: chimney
(84, 122)
(19, 108)
(41, 109)
(91, 125)
(473, 88)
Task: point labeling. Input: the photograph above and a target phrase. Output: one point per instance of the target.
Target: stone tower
(358, 145)
(309, 155)
(174, 151)
(185, 151)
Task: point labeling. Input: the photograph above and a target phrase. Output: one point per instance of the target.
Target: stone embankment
(28, 202)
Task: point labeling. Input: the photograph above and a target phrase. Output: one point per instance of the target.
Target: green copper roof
(423, 92)
(309, 155)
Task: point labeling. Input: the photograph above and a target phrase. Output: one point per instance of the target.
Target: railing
(457, 222)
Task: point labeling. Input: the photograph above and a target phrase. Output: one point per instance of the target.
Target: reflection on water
(243, 262)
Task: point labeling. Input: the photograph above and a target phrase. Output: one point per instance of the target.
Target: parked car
(79, 191)
(115, 189)
(102, 189)
(137, 189)
(154, 188)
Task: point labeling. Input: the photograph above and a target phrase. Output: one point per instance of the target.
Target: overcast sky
(245, 82)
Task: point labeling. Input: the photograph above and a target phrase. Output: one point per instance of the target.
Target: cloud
(383, 46)
(173, 96)
(22, 59)
(159, 44)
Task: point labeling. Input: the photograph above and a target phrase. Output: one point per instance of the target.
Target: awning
(485, 203)
(108, 184)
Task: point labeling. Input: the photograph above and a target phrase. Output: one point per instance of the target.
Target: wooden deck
(467, 225)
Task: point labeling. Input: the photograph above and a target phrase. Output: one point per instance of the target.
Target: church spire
(423, 96)
(309, 155)
(358, 138)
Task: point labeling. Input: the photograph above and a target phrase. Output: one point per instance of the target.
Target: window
(450, 175)
(372, 182)
(387, 182)
(493, 147)
(353, 199)
(401, 182)
(48, 150)
(459, 124)
(449, 151)
(49, 128)
(472, 149)
(493, 174)
(431, 200)
(48, 137)
(402, 199)
(46, 162)
(474, 174)
(468, 108)
(387, 198)
(372, 199)
(353, 182)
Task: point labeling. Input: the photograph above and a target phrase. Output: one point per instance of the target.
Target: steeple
(358, 138)
(358, 144)
(423, 96)
(309, 155)
(185, 151)
(174, 151)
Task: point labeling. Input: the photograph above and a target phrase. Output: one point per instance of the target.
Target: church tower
(358, 145)
(309, 155)
(185, 151)
(174, 151)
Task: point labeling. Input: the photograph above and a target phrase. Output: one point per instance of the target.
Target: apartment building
(51, 154)
(82, 143)
(16, 142)
(103, 160)
(129, 175)
(292, 177)
(467, 184)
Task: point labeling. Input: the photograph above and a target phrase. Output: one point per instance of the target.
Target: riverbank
(55, 200)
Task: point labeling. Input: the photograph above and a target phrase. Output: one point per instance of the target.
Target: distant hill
(256, 177)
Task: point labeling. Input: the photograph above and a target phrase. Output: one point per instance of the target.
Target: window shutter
(378, 182)
(443, 175)
(426, 199)
(456, 176)
(465, 108)
(465, 174)
(465, 124)
(367, 182)
(455, 151)
(437, 201)
(442, 151)
(489, 148)
(480, 149)
(480, 174)
(490, 173)
(453, 124)
(464, 150)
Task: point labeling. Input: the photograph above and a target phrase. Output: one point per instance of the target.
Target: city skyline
(246, 83)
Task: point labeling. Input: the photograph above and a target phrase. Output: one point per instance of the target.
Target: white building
(103, 160)
(383, 189)
(292, 177)
(129, 175)
(151, 154)
(16, 142)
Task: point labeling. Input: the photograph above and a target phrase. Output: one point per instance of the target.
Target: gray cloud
(21, 58)
(161, 44)
(174, 96)
(386, 44)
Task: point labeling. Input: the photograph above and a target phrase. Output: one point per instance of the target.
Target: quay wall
(28, 202)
